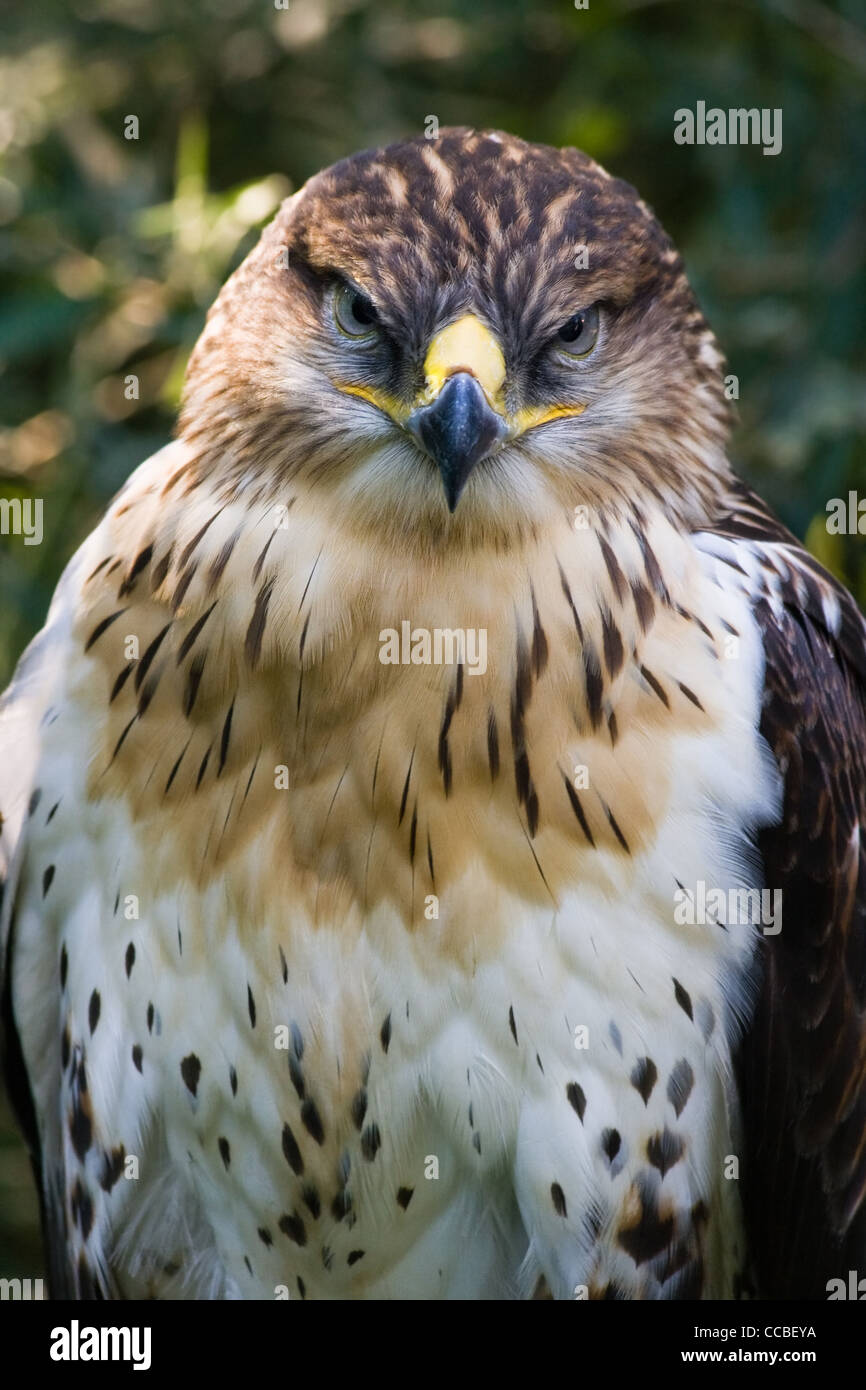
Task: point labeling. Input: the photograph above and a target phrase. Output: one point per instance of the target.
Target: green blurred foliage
(111, 248)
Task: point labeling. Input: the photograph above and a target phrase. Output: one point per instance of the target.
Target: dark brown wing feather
(802, 1068)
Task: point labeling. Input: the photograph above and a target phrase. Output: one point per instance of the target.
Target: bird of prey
(339, 964)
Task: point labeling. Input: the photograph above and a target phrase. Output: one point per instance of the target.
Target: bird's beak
(459, 418)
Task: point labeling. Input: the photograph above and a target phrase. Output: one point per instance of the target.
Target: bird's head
(461, 338)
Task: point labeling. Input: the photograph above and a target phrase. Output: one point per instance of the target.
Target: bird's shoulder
(803, 1060)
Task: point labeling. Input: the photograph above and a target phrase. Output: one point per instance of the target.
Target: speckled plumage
(313, 939)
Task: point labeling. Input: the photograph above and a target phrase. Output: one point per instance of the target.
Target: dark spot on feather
(193, 681)
(683, 998)
(112, 1167)
(292, 1152)
(190, 1070)
(136, 1057)
(257, 567)
(225, 1151)
(258, 623)
(188, 549)
(444, 753)
(614, 653)
(594, 685)
(147, 695)
(404, 1196)
(567, 591)
(643, 1077)
(251, 1006)
(413, 833)
(190, 639)
(47, 879)
(122, 739)
(406, 789)
(341, 1206)
(354, 1256)
(312, 1121)
(616, 830)
(540, 649)
(215, 573)
(82, 1208)
(203, 768)
(690, 695)
(664, 1150)
(617, 578)
(312, 1201)
(102, 627)
(293, 1227)
(100, 566)
(611, 1140)
(183, 584)
(371, 1140)
(654, 686)
(651, 565)
(578, 811)
(576, 1099)
(233, 1080)
(643, 602)
(492, 745)
(80, 1129)
(225, 737)
(680, 1083)
(141, 561)
(146, 661)
(160, 570)
(120, 682)
(265, 1236)
(359, 1108)
(558, 1196)
(174, 771)
(93, 1011)
(385, 1034)
(512, 1025)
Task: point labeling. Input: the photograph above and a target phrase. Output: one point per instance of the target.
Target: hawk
(331, 973)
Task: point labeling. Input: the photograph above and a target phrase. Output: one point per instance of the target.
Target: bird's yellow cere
(467, 345)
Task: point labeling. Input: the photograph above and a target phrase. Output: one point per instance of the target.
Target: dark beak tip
(457, 430)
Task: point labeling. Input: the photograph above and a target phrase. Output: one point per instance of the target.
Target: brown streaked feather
(802, 1066)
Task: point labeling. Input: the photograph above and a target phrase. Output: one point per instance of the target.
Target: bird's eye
(578, 335)
(354, 313)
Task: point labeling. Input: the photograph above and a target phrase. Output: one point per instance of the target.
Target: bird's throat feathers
(266, 672)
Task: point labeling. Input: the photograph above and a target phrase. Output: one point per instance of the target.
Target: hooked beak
(457, 430)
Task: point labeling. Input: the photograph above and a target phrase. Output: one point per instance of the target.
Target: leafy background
(111, 249)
